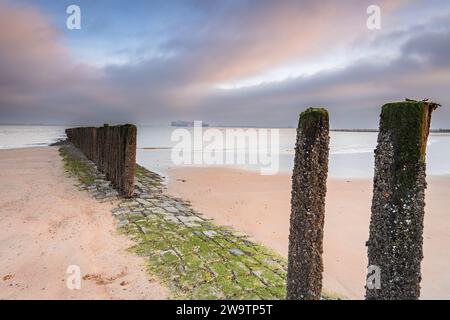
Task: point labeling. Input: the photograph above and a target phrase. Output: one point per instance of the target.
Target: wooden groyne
(112, 149)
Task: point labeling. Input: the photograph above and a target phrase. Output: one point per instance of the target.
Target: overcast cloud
(225, 62)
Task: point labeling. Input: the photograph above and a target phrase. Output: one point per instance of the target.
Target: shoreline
(260, 207)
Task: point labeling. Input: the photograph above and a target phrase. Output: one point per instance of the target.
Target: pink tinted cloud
(29, 48)
(274, 33)
(37, 72)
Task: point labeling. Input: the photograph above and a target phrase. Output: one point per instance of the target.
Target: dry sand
(260, 206)
(47, 224)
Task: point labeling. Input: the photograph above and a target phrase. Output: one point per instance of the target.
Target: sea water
(351, 153)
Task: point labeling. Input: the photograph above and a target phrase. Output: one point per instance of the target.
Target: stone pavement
(193, 256)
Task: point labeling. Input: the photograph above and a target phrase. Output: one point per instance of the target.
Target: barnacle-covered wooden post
(305, 266)
(396, 226)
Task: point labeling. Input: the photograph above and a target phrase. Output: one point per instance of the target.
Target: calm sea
(351, 153)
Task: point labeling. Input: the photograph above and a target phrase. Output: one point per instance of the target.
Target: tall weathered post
(398, 204)
(305, 266)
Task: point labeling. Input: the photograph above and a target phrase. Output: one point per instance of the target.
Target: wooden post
(396, 226)
(305, 266)
(129, 135)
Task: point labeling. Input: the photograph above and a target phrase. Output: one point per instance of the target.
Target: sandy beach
(48, 224)
(260, 206)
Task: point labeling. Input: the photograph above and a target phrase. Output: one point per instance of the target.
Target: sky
(225, 62)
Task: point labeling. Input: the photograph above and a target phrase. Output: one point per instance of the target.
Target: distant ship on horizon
(182, 123)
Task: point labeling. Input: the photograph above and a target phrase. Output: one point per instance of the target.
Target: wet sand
(260, 206)
(47, 224)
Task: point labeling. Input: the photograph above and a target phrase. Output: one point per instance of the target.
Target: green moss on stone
(194, 265)
(78, 168)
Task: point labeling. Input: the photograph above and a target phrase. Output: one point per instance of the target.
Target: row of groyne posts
(396, 227)
(112, 149)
